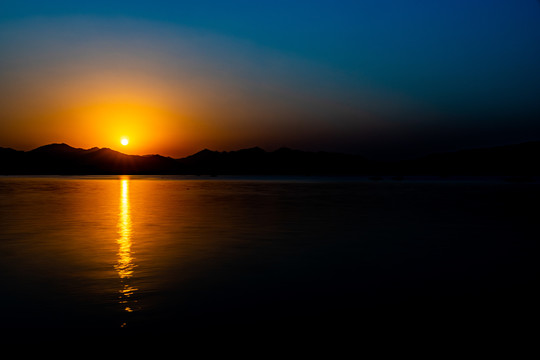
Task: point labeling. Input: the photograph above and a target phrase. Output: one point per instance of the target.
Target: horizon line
(258, 147)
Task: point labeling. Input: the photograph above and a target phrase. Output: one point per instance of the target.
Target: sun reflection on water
(125, 264)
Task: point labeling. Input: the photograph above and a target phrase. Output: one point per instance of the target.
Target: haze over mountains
(518, 159)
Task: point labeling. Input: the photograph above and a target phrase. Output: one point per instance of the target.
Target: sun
(124, 141)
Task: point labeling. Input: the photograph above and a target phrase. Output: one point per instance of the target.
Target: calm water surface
(169, 253)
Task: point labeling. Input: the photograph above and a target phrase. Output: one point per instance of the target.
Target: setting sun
(124, 141)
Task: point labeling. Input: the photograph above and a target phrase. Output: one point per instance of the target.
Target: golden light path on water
(125, 263)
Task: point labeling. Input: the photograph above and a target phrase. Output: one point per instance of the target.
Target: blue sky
(378, 77)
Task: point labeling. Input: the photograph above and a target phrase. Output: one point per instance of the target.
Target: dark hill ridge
(64, 159)
(283, 161)
(59, 149)
(518, 159)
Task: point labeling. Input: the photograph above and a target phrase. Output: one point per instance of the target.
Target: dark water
(127, 254)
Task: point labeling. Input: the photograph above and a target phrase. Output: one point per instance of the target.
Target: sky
(382, 78)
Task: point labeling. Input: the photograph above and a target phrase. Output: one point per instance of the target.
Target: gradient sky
(383, 78)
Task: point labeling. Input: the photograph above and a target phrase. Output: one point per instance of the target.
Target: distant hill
(64, 159)
(283, 161)
(518, 159)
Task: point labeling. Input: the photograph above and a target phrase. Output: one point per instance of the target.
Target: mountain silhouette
(62, 159)
(516, 159)
(283, 161)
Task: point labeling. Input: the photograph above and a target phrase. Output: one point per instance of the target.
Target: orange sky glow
(175, 89)
(171, 91)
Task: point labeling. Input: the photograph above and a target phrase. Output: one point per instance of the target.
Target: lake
(170, 253)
